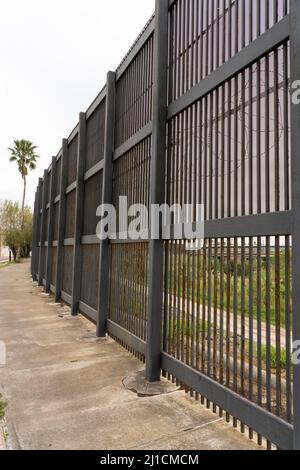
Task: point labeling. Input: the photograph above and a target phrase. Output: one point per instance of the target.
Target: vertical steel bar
(243, 326)
(215, 316)
(288, 330)
(35, 237)
(228, 319)
(160, 98)
(278, 326)
(51, 225)
(81, 156)
(43, 230)
(204, 294)
(106, 199)
(259, 327)
(61, 221)
(39, 245)
(222, 292)
(268, 326)
(235, 320)
(251, 324)
(209, 307)
(229, 144)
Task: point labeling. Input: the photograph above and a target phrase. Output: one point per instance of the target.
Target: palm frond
(24, 154)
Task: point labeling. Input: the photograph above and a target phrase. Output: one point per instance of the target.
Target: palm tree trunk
(18, 254)
(23, 201)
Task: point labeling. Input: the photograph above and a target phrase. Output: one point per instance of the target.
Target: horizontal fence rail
(198, 112)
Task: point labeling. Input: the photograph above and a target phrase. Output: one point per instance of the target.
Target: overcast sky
(54, 56)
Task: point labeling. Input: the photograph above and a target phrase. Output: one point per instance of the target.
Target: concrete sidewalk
(64, 387)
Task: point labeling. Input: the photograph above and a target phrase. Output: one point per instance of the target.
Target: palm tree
(24, 155)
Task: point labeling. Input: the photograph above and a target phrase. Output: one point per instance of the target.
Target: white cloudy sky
(54, 56)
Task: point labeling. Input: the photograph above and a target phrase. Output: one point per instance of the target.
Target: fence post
(34, 238)
(38, 239)
(61, 220)
(102, 313)
(295, 156)
(76, 277)
(157, 190)
(50, 226)
(43, 228)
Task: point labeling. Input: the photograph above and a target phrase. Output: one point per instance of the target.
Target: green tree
(24, 154)
(16, 228)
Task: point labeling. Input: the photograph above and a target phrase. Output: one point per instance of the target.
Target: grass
(260, 290)
(3, 405)
(273, 357)
(5, 265)
(264, 303)
(185, 332)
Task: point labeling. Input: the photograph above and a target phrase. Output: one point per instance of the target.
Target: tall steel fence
(198, 112)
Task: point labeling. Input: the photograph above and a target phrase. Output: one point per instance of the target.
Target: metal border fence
(199, 111)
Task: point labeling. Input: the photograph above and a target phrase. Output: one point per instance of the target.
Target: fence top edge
(146, 31)
(136, 47)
